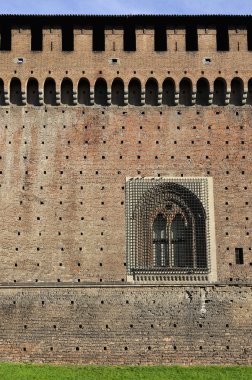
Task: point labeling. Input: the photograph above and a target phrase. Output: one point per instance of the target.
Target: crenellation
(20, 40)
(113, 40)
(144, 40)
(207, 41)
(176, 40)
(238, 40)
(52, 40)
(83, 40)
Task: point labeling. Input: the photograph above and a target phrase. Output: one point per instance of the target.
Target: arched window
(2, 98)
(100, 92)
(237, 89)
(15, 92)
(84, 92)
(67, 92)
(202, 96)
(160, 241)
(50, 92)
(172, 237)
(249, 97)
(168, 97)
(220, 89)
(135, 92)
(185, 92)
(117, 90)
(33, 92)
(151, 92)
(168, 226)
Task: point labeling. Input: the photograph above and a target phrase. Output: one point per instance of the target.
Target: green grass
(46, 372)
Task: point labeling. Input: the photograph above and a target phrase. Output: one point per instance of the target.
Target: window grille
(168, 228)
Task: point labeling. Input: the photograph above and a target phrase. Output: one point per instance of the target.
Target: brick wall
(62, 214)
(63, 174)
(127, 325)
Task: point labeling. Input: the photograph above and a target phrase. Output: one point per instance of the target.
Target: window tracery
(168, 227)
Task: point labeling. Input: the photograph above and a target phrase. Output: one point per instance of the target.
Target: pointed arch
(117, 92)
(84, 91)
(168, 96)
(151, 92)
(237, 89)
(203, 90)
(135, 92)
(33, 92)
(220, 90)
(67, 92)
(50, 92)
(185, 92)
(15, 92)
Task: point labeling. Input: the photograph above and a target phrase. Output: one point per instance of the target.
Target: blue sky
(126, 6)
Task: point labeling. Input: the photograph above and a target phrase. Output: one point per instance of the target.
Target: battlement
(160, 40)
(125, 33)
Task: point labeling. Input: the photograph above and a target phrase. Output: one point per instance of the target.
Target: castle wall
(143, 63)
(63, 173)
(64, 294)
(127, 325)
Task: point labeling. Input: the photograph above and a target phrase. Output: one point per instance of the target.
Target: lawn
(46, 372)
